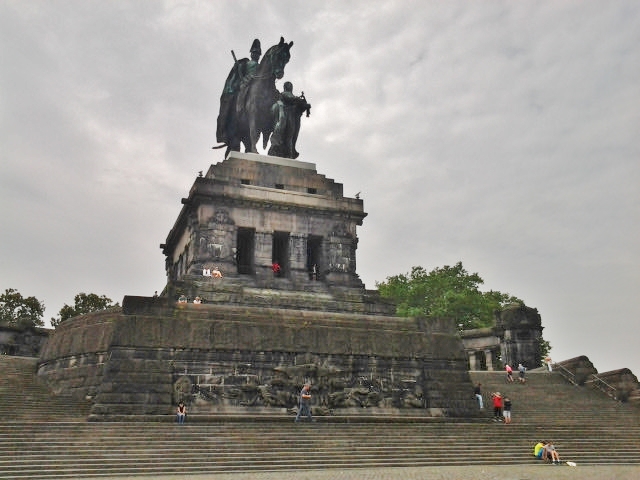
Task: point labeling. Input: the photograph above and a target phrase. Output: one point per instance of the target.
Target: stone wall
(25, 341)
(289, 308)
(520, 330)
(73, 359)
(514, 339)
(622, 384)
(250, 360)
(578, 369)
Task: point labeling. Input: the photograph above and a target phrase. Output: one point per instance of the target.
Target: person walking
(506, 412)
(478, 393)
(522, 370)
(509, 371)
(304, 405)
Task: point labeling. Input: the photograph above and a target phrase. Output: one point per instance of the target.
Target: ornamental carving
(332, 388)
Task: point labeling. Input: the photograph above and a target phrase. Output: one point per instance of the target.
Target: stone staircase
(49, 439)
(548, 399)
(24, 397)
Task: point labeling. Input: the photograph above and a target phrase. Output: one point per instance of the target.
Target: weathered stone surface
(519, 329)
(250, 211)
(260, 332)
(219, 359)
(22, 340)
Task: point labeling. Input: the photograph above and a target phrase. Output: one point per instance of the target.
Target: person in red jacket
(497, 406)
(277, 270)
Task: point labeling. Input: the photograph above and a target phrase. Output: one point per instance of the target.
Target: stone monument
(251, 105)
(262, 296)
(515, 338)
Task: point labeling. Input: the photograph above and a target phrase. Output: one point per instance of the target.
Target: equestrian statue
(251, 105)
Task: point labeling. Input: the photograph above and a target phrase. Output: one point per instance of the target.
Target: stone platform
(228, 359)
(285, 307)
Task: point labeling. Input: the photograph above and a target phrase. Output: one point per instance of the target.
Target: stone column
(297, 252)
(489, 359)
(263, 243)
(473, 362)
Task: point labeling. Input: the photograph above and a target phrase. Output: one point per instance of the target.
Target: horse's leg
(234, 143)
(241, 136)
(253, 133)
(266, 135)
(252, 139)
(244, 140)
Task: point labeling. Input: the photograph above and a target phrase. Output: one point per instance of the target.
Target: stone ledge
(284, 418)
(286, 162)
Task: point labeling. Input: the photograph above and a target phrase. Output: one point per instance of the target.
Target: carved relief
(339, 257)
(341, 249)
(332, 388)
(340, 230)
(298, 244)
(215, 245)
(182, 389)
(221, 217)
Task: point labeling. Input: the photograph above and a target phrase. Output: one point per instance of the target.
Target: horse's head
(277, 57)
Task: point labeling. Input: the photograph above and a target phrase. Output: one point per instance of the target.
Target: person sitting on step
(538, 450)
(181, 413)
(551, 454)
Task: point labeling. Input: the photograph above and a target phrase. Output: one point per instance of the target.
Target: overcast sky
(503, 134)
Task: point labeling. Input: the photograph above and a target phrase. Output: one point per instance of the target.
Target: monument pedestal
(261, 331)
(253, 361)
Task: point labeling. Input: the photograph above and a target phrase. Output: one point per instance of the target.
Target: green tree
(545, 349)
(83, 303)
(16, 310)
(449, 291)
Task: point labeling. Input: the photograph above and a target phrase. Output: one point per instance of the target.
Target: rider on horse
(241, 73)
(248, 97)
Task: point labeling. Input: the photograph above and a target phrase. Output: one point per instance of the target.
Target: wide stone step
(27, 397)
(107, 449)
(586, 426)
(178, 466)
(79, 451)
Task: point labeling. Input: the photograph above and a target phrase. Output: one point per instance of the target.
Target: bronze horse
(252, 114)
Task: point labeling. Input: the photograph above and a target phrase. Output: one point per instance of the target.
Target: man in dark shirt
(478, 393)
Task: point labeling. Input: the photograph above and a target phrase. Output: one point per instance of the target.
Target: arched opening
(245, 242)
